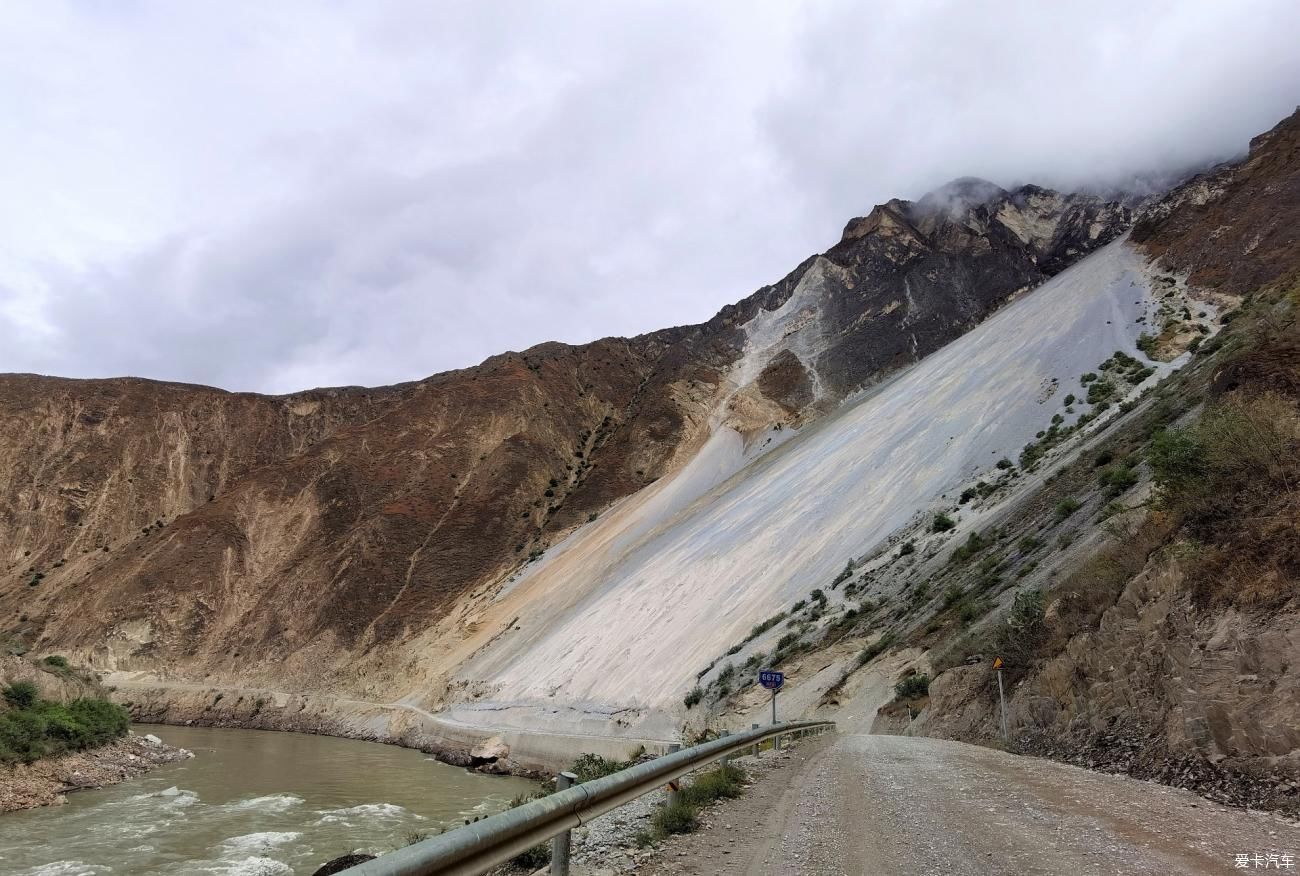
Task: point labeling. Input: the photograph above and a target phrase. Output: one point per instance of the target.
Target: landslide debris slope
(1140, 578)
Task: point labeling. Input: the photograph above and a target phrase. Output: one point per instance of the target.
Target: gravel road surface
(860, 804)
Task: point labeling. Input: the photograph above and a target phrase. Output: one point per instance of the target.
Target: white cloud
(271, 196)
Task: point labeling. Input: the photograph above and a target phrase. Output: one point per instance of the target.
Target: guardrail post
(560, 843)
(776, 742)
(754, 727)
(726, 759)
(674, 792)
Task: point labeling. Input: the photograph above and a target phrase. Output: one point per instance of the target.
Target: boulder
(489, 751)
(341, 863)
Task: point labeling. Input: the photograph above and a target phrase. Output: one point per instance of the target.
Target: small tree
(913, 687)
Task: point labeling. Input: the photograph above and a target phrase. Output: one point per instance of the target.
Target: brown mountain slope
(291, 539)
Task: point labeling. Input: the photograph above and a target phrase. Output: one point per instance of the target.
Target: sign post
(1002, 697)
(772, 680)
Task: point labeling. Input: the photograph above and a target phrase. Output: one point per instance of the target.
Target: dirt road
(859, 804)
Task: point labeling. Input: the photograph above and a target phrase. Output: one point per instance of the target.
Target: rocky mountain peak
(958, 197)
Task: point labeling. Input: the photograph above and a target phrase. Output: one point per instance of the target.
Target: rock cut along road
(862, 804)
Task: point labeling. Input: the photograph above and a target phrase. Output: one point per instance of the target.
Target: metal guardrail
(482, 845)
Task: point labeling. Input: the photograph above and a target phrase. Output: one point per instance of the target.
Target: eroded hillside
(346, 540)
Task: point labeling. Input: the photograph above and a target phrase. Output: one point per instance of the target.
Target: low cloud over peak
(274, 197)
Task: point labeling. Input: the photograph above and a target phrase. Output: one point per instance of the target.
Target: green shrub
(1017, 639)
(974, 544)
(1118, 479)
(593, 766)
(912, 687)
(908, 547)
(1029, 544)
(1100, 391)
(680, 817)
(694, 696)
(843, 576)
(766, 625)
(1066, 507)
(942, 523)
(952, 596)
(57, 661)
(21, 694)
(1005, 463)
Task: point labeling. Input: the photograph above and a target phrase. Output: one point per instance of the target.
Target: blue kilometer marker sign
(771, 679)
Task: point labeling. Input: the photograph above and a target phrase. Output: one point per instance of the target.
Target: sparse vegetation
(871, 652)
(974, 544)
(723, 783)
(1231, 480)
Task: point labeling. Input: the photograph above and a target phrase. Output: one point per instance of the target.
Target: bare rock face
(294, 541)
(1233, 229)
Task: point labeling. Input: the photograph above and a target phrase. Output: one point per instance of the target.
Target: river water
(250, 802)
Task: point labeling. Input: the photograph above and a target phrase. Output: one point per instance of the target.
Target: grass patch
(723, 783)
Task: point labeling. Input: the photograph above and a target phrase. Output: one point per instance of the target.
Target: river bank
(503, 750)
(47, 781)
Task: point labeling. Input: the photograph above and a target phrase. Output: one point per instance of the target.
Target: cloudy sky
(272, 196)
